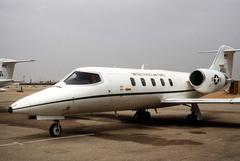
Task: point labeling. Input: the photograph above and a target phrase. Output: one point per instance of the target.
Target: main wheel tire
(147, 116)
(139, 114)
(143, 115)
(55, 130)
(192, 118)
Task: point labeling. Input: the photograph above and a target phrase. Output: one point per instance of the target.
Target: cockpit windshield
(78, 78)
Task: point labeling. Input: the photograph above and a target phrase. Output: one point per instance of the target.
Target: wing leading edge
(202, 101)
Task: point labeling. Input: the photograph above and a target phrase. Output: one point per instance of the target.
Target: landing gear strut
(55, 129)
(195, 114)
(142, 115)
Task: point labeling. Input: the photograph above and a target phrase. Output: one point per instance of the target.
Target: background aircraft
(6, 71)
(96, 89)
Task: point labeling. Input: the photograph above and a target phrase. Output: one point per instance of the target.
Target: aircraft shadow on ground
(167, 120)
(128, 122)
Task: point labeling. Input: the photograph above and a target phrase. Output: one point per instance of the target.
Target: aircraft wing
(202, 101)
(6, 80)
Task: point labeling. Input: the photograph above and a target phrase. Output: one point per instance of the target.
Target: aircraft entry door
(119, 88)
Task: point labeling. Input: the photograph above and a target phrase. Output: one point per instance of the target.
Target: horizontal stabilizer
(215, 51)
(6, 61)
(209, 51)
(232, 50)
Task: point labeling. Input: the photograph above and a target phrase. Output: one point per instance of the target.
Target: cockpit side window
(80, 78)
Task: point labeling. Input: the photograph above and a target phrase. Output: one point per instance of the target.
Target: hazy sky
(162, 34)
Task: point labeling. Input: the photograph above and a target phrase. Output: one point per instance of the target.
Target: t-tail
(223, 61)
(219, 75)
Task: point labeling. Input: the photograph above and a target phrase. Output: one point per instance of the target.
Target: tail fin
(223, 61)
(7, 67)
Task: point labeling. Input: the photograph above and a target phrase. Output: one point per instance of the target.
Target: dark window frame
(170, 81)
(153, 82)
(143, 82)
(133, 82)
(162, 81)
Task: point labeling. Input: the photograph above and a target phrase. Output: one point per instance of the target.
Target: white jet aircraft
(6, 71)
(97, 89)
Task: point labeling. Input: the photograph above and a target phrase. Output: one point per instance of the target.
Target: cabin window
(153, 82)
(170, 82)
(79, 78)
(143, 81)
(133, 81)
(162, 82)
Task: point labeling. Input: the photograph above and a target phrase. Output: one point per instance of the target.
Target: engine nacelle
(207, 80)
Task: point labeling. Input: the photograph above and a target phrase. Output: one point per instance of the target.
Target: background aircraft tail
(7, 67)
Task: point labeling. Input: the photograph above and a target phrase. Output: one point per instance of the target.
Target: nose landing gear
(55, 129)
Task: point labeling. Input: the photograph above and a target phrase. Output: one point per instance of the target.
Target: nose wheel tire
(55, 130)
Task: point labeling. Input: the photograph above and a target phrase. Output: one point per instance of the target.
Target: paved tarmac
(103, 136)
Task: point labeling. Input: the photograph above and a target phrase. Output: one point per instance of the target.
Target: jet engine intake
(208, 81)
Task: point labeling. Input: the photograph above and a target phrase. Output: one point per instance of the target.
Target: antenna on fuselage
(142, 67)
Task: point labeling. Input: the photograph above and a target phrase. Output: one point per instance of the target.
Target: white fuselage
(5, 82)
(113, 91)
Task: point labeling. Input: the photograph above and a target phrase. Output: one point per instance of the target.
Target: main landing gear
(55, 129)
(195, 114)
(142, 115)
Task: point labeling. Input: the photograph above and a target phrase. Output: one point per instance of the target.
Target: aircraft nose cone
(10, 110)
